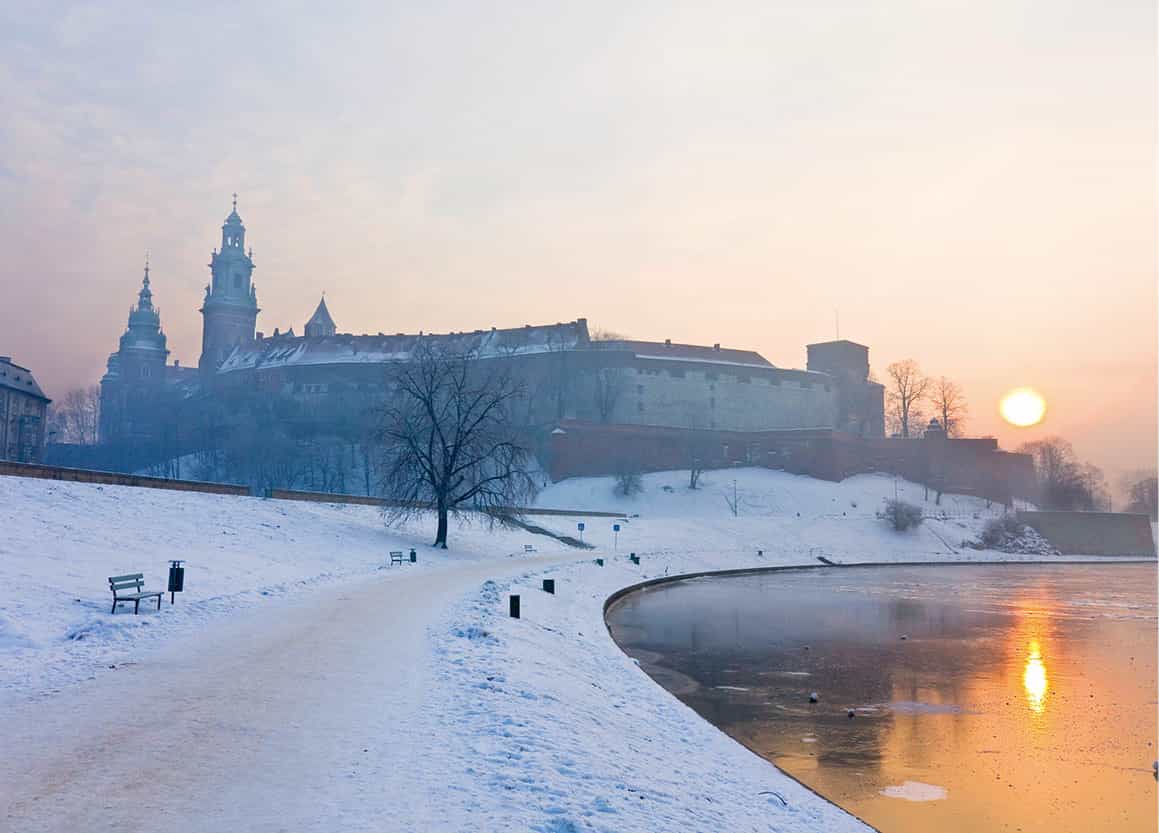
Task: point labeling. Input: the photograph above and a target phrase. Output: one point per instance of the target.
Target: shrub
(629, 481)
(999, 531)
(901, 515)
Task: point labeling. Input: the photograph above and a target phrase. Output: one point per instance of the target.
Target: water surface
(997, 697)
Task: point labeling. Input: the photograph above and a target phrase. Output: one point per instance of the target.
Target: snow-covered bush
(901, 515)
(999, 530)
(1008, 534)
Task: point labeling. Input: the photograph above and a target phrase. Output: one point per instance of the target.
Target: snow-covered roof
(666, 350)
(15, 377)
(283, 351)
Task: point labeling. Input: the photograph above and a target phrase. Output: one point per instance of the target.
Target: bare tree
(906, 387)
(610, 384)
(1064, 482)
(447, 439)
(600, 335)
(1143, 497)
(76, 418)
(949, 405)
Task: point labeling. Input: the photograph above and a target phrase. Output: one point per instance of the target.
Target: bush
(629, 481)
(999, 531)
(901, 515)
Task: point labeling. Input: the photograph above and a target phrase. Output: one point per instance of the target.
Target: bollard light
(514, 602)
(549, 586)
(599, 562)
(413, 556)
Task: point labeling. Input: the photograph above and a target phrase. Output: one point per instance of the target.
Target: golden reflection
(1034, 678)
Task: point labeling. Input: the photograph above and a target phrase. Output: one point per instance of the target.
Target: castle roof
(284, 351)
(15, 377)
(667, 351)
(320, 323)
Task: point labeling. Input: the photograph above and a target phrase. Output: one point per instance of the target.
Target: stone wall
(117, 479)
(1094, 533)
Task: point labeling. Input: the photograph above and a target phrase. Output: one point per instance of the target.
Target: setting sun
(1023, 407)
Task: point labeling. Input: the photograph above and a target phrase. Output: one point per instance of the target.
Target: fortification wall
(1094, 533)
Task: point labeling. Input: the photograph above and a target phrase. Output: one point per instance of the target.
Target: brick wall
(975, 466)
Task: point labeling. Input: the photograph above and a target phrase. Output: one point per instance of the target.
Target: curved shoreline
(624, 592)
(644, 585)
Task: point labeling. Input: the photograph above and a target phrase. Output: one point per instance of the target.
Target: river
(984, 697)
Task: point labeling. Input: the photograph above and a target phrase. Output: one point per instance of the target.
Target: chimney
(667, 342)
(716, 347)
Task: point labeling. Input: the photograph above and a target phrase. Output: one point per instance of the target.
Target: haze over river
(985, 697)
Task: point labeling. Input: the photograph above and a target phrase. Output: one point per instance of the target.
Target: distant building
(325, 383)
(23, 414)
(139, 385)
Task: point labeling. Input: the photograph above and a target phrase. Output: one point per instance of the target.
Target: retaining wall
(113, 478)
(1093, 533)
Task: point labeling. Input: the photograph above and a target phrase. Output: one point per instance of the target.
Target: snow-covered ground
(298, 684)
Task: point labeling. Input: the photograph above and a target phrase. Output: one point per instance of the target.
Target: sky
(968, 184)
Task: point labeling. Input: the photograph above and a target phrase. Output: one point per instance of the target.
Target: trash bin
(176, 579)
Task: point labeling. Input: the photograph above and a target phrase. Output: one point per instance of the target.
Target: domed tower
(136, 370)
(230, 311)
(143, 348)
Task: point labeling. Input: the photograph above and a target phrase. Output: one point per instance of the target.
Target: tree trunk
(441, 534)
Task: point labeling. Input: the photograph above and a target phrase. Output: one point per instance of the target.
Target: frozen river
(995, 697)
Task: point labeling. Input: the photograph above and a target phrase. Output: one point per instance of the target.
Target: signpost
(580, 527)
(616, 538)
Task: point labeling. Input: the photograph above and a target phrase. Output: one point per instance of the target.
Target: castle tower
(230, 310)
(136, 370)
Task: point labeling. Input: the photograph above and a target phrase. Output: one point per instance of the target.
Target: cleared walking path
(314, 714)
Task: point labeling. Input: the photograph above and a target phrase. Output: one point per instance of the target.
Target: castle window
(640, 407)
(640, 389)
(237, 280)
(712, 401)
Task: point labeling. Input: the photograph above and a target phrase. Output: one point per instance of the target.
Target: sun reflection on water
(1034, 678)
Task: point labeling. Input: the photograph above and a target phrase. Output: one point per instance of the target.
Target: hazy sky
(972, 184)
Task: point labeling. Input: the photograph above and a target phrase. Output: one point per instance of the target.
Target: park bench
(396, 558)
(529, 547)
(135, 582)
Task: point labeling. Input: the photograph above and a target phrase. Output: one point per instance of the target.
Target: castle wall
(977, 467)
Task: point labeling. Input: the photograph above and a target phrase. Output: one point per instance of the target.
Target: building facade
(23, 414)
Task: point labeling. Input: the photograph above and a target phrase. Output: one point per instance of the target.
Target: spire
(145, 296)
(233, 231)
(320, 323)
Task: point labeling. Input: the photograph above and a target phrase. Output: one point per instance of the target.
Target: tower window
(237, 281)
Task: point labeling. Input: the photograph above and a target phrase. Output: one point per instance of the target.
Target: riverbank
(1048, 667)
(540, 723)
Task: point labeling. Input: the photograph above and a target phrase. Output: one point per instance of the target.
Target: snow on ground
(540, 723)
(59, 543)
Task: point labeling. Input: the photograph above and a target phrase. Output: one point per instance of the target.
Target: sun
(1023, 407)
